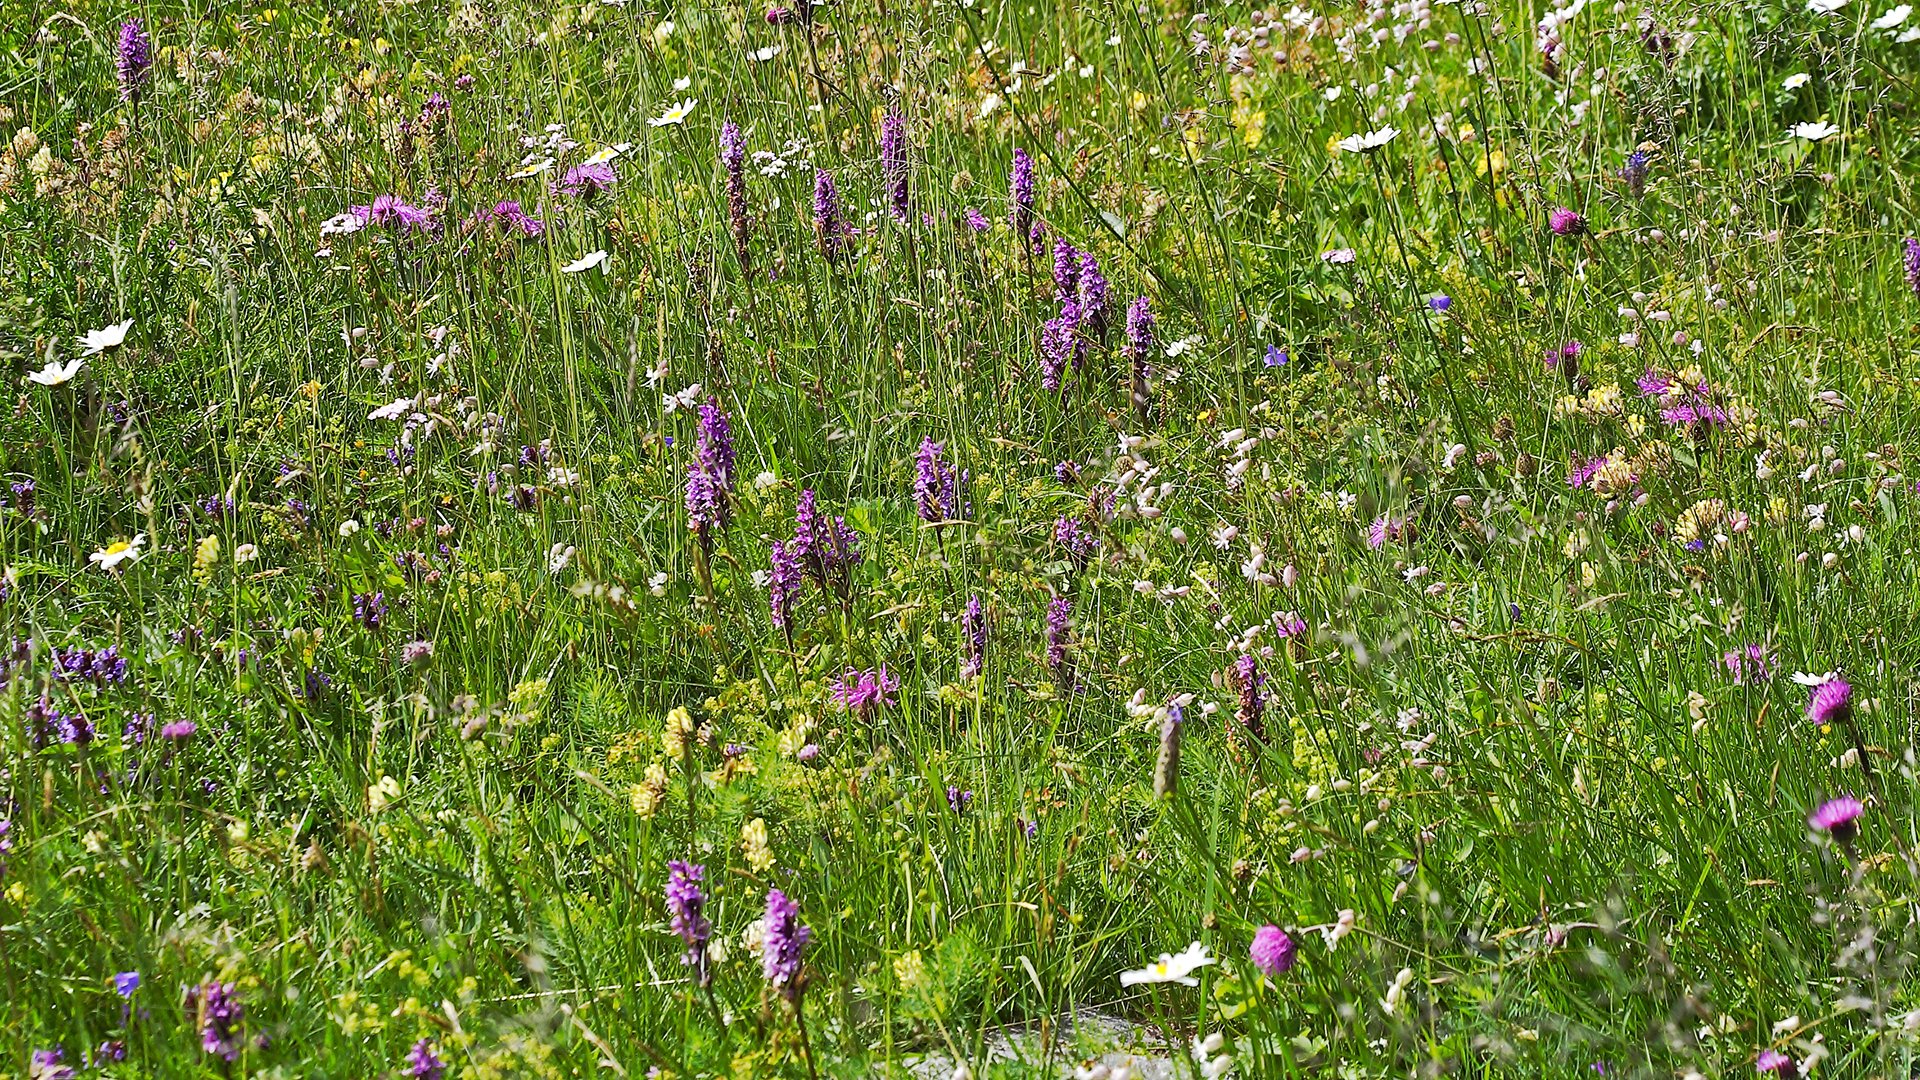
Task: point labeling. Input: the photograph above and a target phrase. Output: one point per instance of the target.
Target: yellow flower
(753, 844)
(678, 732)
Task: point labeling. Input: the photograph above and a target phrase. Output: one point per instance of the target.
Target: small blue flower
(1440, 302)
(126, 983)
(1276, 356)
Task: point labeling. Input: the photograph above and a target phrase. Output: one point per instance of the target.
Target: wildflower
(1370, 142)
(1272, 951)
(1275, 357)
(1066, 270)
(1171, 968)
(120, 551)
(587, 180)
(1830, 702)
(733, 157)
(1093, 292)
(393, 212)
(974, 625)
(126, 983)
(95, 342)
(1139, 347)
(1020, 187)
(1749, 664)
(585, 262)
(754, 845)
(710, 480)
(676, 114)
(1251, 710)
(1059, 622)
(1440, 303)
(1074, 538)
(936, 486)
(959, 801)
(1634, 172)
(415, 652)
(220, 1014)
(685, 908)
(1338, 256)
(863, 693)
(510, 214)
(370, 609)
(784, 579)
(1166, 766)
(1775, 1064)
(976, 221)
(785, 940)
(1565, 222)
(56, 373)
(177, 731)
(1838, 818)
(423, 1064)
(48, 1065)
(893, 162)
(134, 61)
(1059, 345)
(829, 229)
(1815, 131)
(1911, 262)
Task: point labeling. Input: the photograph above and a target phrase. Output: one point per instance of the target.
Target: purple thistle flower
(1139, 348)
(784, 942)
(587, 180)
(1272, 951)
(893, 162)
(686, 904)
(829, 228)
(220, 1014)
(135, 60)
(513, 216)
(1830, 702)
(1021, 195)
(395, 213)
(864, 693)
(974, 625)
(733, 157)
(1059, 623)
(423, 1064)
(1839, 817)
(1912, 263)
(1634, 172)
(1565, 222)
(785, 577)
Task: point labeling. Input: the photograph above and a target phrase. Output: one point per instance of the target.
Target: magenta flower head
(1059, 625)
(1838, 818)
(784, 943)
(1775, 1064)
(1565, 222)
(864, 693)
(135, 59)
(1830, 702)
(1911, 260)
(423, 1063)
(588, 180)
(1273, 951)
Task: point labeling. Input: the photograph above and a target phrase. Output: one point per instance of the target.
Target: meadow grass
(1428, 489)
